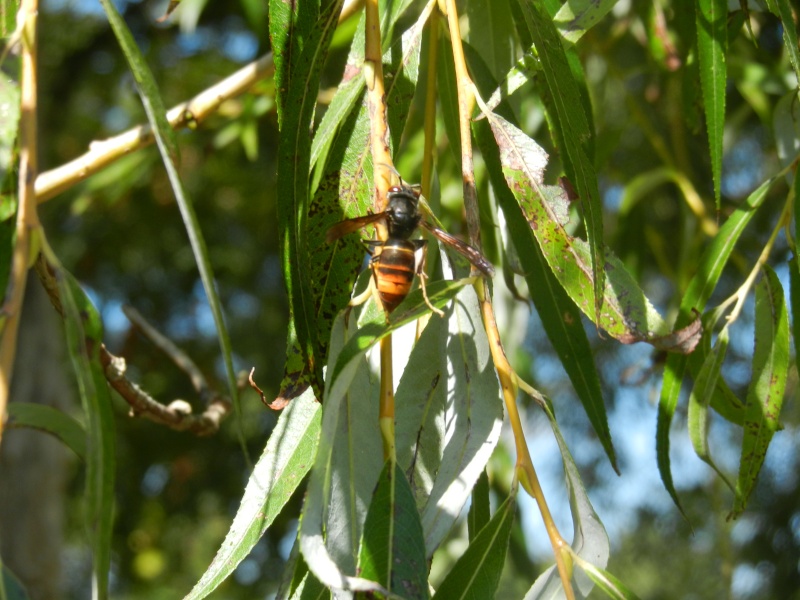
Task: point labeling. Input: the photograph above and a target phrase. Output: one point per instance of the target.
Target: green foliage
(612, 97)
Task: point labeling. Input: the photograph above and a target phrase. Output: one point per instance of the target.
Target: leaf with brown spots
(767, 386)
(627, 314)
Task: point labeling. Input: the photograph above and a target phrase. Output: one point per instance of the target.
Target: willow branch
(506, 375)
(466, 102)
(27, 223)
(178, 413)
(189, 113)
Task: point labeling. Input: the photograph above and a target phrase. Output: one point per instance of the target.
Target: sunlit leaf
(476, 573)
(344, 190)
(700, 398)
(411, 309)
(575, 18)
(609, 584)
(392, 546)
(300, 40)
(286, 460)
(712, 46)
(768, 383)
(449, 414)
(560, 317)
(589, 539)
(9, 122)
(524, 71)
(627, 314)
(51, 420)
(570, 118)
(345, 471)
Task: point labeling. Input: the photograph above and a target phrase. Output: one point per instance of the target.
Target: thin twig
(178, 356)
(466, 102)
(178, 413)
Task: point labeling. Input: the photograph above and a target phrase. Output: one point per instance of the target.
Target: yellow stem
(382, 164)
(466, 102)
(524, 467)
(27, 225)
(386, 410)
(744, 289)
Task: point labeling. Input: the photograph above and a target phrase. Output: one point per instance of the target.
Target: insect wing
(467, 251)
(342, 228)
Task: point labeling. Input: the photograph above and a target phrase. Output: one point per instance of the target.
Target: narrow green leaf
(604, 580)
(783, 10)
(576, 17)
(524, 71)
(700, 398)
(476, 573)
(167, 146)
(697, 294)
(768, 383)
(712, 46)
(84, 338)
(300, 38)
(411, 309)
(571, 121)
(786, 128)
(286, 460)
(589, 538)
(345, 189)
(794, 281)
(346, 468)
(479, 511)
(627, 314)
(353, 84)
(448, 414)
(491, 39)
(392, 547)
(50, 420)
(310, 588)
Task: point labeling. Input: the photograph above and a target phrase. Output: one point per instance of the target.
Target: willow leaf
(627, 314)
(392, 547)
(712, 46)
(768, 383)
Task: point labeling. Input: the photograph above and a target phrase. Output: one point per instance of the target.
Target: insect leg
(422, 247)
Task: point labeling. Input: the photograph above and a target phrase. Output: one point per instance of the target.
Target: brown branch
(178, 413)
